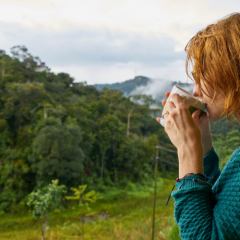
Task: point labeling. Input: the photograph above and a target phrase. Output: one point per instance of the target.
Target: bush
(132, 190)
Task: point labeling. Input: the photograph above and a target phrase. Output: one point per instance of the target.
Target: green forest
(52, 127)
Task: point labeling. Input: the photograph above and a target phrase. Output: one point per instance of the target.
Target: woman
(209, 211)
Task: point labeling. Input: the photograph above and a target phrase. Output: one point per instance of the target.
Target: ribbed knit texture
(206, 213)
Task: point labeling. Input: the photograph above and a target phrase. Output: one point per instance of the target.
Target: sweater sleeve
(194, 209)
(211, 166)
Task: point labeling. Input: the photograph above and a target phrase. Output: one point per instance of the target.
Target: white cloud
(93, 74)
(53, 30)
(98, 55)
(84, 45)
(112, 73)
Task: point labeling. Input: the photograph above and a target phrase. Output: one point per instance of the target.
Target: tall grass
(131, 190)
(130, 218)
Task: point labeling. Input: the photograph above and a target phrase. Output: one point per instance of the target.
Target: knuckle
(173, 114)
(168, 121)
(174, 94)
(182, 107)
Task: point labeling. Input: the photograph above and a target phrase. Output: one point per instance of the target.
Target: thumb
(195, 117)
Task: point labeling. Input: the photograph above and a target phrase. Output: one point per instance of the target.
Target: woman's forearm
(190, 160)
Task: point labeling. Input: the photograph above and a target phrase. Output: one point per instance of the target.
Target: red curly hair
(214, 54)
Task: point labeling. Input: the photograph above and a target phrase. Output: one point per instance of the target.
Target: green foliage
(225, 145)
(45, 200)
(90, 196)
(129, 218)
(56, 151)
(174, 231)
(54, 128)
(131, 190)
(223, 127)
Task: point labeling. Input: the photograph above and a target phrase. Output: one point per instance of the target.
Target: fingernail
(158, 119)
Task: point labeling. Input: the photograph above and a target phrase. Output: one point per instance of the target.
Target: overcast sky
(107, 41)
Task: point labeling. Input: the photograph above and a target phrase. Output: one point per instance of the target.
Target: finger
(204, 115)
(176, 99)
(167, 94)
(170, 106)
(204, 119)
(195, 117)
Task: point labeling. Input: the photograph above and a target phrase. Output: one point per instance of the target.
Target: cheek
(206, 99)
(213, 116)
(214, 112)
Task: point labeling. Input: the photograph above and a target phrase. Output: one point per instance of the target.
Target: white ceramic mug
(192, 102)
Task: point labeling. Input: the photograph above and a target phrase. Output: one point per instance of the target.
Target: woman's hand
(184, 132)
(204, 127)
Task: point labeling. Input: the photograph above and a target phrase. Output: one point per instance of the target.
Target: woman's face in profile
(215, 108)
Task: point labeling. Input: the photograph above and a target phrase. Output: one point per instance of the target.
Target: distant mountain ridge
(127, 86)
(145, 85)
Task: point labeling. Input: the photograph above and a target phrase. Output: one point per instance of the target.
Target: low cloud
(158, 87)
(85, 45)
(98, 55)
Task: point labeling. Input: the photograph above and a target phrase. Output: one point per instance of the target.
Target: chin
(213, 120)
(215, 117)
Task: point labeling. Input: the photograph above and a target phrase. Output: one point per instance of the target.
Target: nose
(195, 91)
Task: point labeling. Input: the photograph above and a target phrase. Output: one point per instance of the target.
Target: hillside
(54, 128)
(127, 86)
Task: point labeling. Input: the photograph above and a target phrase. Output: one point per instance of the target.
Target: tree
(56, 151)
(13, 169)
(20, 100)
(28, 62)
(91, 196)
(44, 201)
(5, 63)
(54, 128)
(143, 103)
(83, 199)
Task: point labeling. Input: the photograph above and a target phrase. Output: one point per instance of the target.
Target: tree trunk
(97, 160)
(45, 113)
(128, 125)
(103, 154)
(44, 227)
(114, 159)
(83, 220)
(129, 115)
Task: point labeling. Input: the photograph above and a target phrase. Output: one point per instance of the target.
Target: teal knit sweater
(206, 213)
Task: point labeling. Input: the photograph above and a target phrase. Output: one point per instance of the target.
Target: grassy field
(127, 218)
